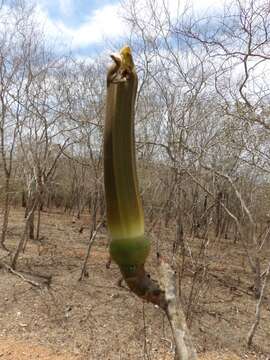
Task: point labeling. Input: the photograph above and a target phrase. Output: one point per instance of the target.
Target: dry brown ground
(96, 319)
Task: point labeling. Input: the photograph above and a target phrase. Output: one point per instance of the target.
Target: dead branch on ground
(46, 281)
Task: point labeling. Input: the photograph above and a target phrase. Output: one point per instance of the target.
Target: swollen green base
(132, 251)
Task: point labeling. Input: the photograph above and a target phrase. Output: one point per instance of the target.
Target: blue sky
(73, 13)
(84, 25)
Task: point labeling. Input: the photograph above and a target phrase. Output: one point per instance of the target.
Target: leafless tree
(207, 76)
(15, 42)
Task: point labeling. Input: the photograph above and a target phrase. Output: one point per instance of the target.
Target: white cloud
(103, 23)
(42, 18)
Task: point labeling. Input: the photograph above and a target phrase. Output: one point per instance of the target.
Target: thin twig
(91, 241)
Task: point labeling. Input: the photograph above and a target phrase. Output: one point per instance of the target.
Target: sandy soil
(96, 319)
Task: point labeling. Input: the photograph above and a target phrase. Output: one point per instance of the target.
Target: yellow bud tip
(126, 56)
(125, 50)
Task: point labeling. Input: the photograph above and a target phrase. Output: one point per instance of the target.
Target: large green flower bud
(129, 248)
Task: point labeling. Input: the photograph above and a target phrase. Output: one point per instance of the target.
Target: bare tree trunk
(179, 238)
(32, 226)
(257, 280)
(218, 214)
(23, 238)
(195, 216)
(38, 220)
(258, 309)
(180, 242)
(168, 206)
(24, 202)
(6, 214)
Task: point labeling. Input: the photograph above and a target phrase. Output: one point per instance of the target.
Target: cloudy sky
(84, 24)
(81, 24)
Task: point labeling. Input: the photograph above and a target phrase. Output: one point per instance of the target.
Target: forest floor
(97, 319)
